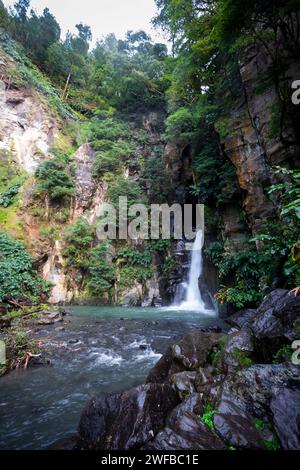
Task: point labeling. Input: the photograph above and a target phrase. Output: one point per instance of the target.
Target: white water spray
(193, 300)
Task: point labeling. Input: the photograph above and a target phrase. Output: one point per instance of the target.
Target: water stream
(192, 298)
(101, 349)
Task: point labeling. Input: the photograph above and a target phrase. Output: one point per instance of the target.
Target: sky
(103, 16)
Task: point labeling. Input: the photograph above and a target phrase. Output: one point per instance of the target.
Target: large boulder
(184, 430)
(242, 319)
(276, 316)
(285, 406)
(251, 388)
(190, 353)
(238, 350)
(238, 431)
(127, 420)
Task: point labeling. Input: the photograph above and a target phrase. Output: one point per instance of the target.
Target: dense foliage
(55, 179)
(112, 86)
(18, 278)
(209, 38)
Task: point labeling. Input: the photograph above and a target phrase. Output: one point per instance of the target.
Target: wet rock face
(276, 317)
(238, 431)
(184, 430)
(238, 350)
(285, 406)
(251, 388)
(188, 354)
(128, 420)
(184, 382)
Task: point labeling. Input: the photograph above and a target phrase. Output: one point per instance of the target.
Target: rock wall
(28, 127)
(250, 143)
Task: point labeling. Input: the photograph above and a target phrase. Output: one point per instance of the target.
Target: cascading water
(193, 300)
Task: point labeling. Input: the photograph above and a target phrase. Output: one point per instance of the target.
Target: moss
(130, 274)
(283, 354)
(273, 444)
(242, 358)
(214, 357)
(224, 127)
(223, 341)
(259, 424)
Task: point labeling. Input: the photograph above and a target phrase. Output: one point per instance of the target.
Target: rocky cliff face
(256, 136)
(251, 144)
(28, 127)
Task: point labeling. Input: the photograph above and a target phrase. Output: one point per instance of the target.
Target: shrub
(78, 240)
(18, 278)
(125, 187)
(180, 124)
(245, 270)
(131, 257)
(111, 156)
(101, 271)
(8, 197)
(55, 179)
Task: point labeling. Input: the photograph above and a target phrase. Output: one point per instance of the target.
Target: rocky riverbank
(17, 329)
(211, 390)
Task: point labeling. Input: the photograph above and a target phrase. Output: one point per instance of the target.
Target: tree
(80, 43)
(54, 180)
(4, 17)
(21, 8)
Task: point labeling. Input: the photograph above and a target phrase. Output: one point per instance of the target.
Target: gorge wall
(30, 125)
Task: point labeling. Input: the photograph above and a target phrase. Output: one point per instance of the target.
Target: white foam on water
(105, 357)
(147, 355)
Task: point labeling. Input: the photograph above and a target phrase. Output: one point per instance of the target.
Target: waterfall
(193, 299)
